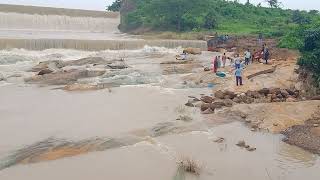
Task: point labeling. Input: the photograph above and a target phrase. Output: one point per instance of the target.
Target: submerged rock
(2, 78)
(64, 77)
(45, 71)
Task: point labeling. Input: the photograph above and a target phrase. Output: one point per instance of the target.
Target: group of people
(237, 63)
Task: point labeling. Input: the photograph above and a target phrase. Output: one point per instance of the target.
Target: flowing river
(128, 131)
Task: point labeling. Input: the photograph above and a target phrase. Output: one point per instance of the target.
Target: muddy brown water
(147, 140)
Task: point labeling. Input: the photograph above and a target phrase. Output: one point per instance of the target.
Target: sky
(101, 4)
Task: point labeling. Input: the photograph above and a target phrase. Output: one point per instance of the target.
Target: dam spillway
(39, 28)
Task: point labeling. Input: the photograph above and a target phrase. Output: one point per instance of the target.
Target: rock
(118, 66)
(189, 104)
(264, 91)
(241, 144)
(253, 94)
(284, 93)
(204, 106)
(298, 86)
(219, 140)
(45, 71)
(217, 105)
(251, 149)
(291, 99)
(228, 102)
(219, 94)
(248, 100)
(198, 104)
(206, 69)
(315, 98)
(193, 51)
(275, 90)
(1, 77)
(208, 111)
(56, 64)
(184, 118)
(229, 95)
(237, 100)
(315, 125)
(291, 93)
(243, 115)
(206, 99)
(279, 96)
(80, 87)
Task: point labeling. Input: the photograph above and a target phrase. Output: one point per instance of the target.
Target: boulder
(56, 64)
(253, 94)
(275, 90)
(264, 91)
(45, 71)
(219, 94)
(206, 99)
(237, 100)
(228, 102)
(204, 106)
(229, 95)
(291, 99)
(284, 93)
(216, 105)
(291, 92)
(193, 51)
(279, 96)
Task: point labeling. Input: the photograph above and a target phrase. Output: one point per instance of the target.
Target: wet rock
(241, 144)
(264, 91)
(251, 149)
(55, 64)
(219, 140)
(162, 129)
(45, 71)
(1, 77)
(89, 60)
(64, 77)
(204, 106)
(189, 104)
(208, 111)
(184, 118)
(217, 105)
(118, 66)
(80, 87)
(219, 94)
(207, 99)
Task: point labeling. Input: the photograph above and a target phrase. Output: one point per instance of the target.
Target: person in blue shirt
(238, 74)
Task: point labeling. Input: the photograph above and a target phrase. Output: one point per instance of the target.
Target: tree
(115, 6)
(274, 3)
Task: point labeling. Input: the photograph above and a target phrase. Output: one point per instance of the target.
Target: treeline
(212, 15)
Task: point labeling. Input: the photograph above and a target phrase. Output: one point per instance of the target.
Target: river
(129, 131)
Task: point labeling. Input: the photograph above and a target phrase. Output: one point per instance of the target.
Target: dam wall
(39, 28)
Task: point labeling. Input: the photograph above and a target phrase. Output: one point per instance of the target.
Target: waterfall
(39, 28)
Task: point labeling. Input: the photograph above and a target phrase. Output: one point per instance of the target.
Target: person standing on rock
(238, 74)
(247, 57)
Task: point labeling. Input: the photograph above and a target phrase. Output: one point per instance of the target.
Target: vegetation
(115, 6)
(310, 51)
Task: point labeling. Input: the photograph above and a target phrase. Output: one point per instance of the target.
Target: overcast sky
(101, 4)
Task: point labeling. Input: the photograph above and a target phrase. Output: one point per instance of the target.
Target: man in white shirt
(247, 57)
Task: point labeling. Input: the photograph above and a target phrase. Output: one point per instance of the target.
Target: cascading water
(30, 28)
